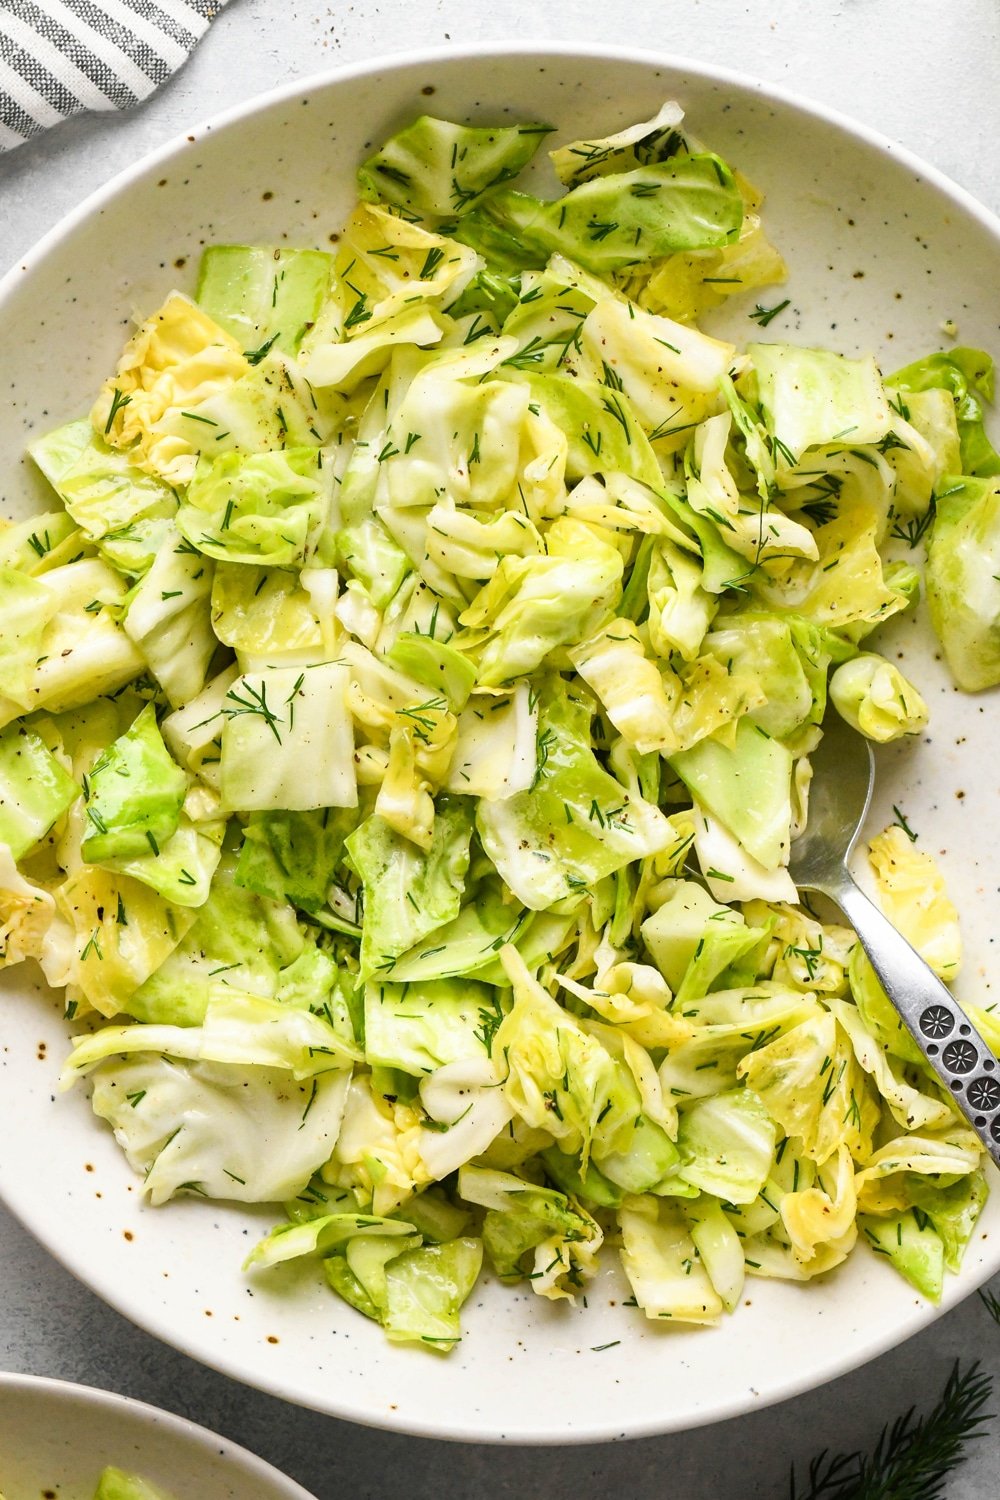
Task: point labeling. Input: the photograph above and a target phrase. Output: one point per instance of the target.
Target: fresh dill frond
(899, 821)
(913, 1456)
(913, 531)
(490, 1017)
(763, 315)
(991, 1302)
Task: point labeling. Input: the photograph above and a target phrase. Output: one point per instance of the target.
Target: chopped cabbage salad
(407, 701)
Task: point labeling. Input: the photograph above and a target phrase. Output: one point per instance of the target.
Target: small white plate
(882, 251)
(55, 1438)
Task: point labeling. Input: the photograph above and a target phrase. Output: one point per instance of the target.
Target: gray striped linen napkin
(59, 57)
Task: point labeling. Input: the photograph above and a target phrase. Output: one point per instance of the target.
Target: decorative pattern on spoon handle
(938, 1024)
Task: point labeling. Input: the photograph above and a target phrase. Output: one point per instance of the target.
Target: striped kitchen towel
(58, 57)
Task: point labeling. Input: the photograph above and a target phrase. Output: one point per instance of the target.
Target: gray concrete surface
(923, 72)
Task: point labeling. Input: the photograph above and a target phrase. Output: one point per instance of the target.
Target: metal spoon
(843, 776)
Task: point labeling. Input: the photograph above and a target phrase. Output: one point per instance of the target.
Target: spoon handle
(941, 1029)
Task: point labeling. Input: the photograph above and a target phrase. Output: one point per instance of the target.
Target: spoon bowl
(840, 793)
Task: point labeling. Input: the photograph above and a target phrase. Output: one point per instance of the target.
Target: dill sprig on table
(991, 1302)
(913, 1456)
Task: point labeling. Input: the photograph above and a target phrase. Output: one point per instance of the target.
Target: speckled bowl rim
(906, 1327)
(93, 1398)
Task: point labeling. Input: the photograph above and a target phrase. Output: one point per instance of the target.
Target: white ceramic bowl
(55, 1438)
(882, 250)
